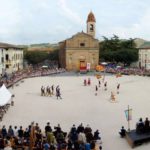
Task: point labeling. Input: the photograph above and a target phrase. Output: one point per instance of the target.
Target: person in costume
(89, 81)
(96, 89)
(105, 86)
(118, 87)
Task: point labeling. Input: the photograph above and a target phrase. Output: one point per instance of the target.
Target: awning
(104, 63)
(5, 95)
(44, 66)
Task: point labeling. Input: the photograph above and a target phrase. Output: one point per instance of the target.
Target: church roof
(81, 33)
(78, 34)
(91, 17)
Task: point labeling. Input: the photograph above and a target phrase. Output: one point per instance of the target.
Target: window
(91, 27)
(7, 66)
(2, 59)
(82, 44)
(7, 57)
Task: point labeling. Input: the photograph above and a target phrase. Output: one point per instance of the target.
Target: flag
(100, 68)
(88, 66)
(128, 114)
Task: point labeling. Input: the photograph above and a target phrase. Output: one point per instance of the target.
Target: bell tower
(91, 30)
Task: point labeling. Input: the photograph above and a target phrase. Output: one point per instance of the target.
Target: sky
(51, 21)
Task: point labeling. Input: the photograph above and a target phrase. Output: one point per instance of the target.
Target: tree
(116, 50)
(126, 56)
(35, 57)
(54, 55)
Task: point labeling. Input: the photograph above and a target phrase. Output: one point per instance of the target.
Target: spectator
(122, 132)
(20, 132)
(87, 129)
(87, 146)
(48, 128)
(96, 135)
(4, 132)
(10, 132)
(82, 138)
(140, 126)
(8, 146)
(1, 143)
(22, 139)
(146, 125)
(46, 146)
(37, 127)
(80, 128)
(73, 134)
(15, 131)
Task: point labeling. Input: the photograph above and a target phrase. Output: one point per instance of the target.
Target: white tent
(5, 95)
(104, 63)
(44, 66)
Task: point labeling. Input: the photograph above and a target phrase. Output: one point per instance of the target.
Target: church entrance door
(82, 66)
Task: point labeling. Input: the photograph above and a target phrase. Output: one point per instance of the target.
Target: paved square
(79, 104)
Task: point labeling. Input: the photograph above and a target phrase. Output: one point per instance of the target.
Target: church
(81, 51)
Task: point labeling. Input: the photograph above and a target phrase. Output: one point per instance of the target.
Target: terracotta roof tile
(91, 17)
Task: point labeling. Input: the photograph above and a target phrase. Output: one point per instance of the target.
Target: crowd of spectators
(32, 137)
(128, 71)
(9, 80)
(3, 110)
(143, 126)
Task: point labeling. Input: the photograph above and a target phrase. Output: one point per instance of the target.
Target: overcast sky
(42, 21)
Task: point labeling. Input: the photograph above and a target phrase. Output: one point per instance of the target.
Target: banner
(100, 68)
(128, 114)
(88, 66)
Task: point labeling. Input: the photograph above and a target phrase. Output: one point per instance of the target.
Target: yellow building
(11, 58)
(81, 51)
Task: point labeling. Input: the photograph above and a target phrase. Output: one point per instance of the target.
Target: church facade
(81, 51)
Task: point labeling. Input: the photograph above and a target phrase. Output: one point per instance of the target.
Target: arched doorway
(82, 63)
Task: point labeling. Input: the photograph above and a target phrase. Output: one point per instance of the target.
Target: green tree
(35, 57)
(126, 56)
(117, 50)
(54, 55)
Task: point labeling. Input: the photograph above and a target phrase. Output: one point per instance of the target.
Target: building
(138, 42)
(11, 58)
(81, 51)
(144, 55)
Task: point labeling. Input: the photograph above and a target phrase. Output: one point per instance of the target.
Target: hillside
(41, 47)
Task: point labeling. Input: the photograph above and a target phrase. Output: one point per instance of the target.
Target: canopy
(104, 63)
(118, 66)
(5, 95)
(100, 68)
(44, 66)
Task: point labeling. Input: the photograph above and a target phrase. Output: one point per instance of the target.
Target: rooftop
(91, 17)
(6, 45)
(146, 45)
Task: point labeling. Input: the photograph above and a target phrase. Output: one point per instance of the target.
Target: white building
(11, 58)
(144, 56)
